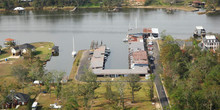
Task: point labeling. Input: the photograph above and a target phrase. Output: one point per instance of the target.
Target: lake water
(92, 24)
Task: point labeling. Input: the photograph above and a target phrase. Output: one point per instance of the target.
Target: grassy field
(141, 97)
(75, 65)
(43, 50)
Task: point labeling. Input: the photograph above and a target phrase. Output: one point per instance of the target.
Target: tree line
(10, 4)
(191, 76)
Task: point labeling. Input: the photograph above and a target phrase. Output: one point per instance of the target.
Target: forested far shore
(109, 4)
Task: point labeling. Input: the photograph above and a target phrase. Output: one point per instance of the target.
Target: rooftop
(139, 55)
(136, 46)
(210, 37)
(9, 39)
(121, 71)
(199, 27)
(97, 60)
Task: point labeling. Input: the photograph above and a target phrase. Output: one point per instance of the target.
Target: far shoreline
(166, 7)
(68, 8)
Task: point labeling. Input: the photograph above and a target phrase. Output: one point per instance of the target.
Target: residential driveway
(84, 64)
(161, 92)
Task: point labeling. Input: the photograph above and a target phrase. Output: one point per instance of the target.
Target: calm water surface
(92, 24)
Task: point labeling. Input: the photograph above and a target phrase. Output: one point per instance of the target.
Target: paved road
(162, 96)
(84, 64)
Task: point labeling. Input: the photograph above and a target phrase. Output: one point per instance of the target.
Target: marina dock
(137, 57)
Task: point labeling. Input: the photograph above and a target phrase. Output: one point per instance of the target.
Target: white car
(150, 52)
(55, 106)
(150, 43)
(34, 106)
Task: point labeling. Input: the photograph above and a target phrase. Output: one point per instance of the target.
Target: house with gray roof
(22, 49)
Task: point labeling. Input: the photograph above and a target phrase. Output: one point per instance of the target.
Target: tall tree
(58, 76)
(20, 72)
(133, 81)
(151, 87)
(121, 89)
(88, 87)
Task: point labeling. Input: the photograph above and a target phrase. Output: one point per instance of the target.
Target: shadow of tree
(37, 52)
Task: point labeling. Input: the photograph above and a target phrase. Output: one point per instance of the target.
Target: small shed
(9, 42)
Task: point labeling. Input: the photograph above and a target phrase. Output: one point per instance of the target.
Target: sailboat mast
(73, 44)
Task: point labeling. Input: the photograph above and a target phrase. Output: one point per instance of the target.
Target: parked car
(150, 43)
(150, 48)
(55, 106)
(150, 52)
(151, 58)
(34, 106)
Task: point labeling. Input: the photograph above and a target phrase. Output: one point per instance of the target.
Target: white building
(210, 42)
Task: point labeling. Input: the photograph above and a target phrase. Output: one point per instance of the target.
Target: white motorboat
(19, 9)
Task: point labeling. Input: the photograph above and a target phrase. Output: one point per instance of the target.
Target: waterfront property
(55, 51)
(199, 31)
(9, 42)
(210, 42)
(22, 49)
(138, 58)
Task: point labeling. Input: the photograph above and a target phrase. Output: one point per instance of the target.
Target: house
(9, 42)
(22, 49)
(210, 42)
(198, 4)
(15, 99)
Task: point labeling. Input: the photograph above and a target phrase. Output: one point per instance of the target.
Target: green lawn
(141, 97)
(43, 50)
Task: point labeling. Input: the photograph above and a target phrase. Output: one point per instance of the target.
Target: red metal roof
(9, 39)
(140, 55)
(147, 30)
(196, 2)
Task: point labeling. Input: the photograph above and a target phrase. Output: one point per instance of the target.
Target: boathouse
(55, 51)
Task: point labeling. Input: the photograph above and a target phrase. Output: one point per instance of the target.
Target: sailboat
(73, 52)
